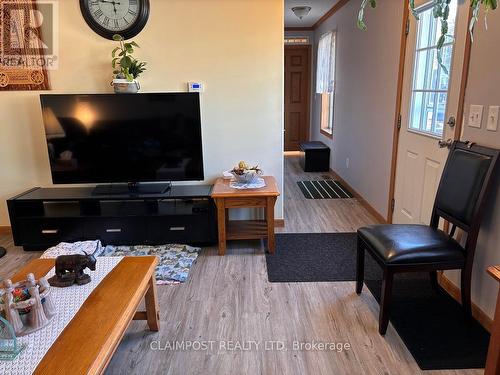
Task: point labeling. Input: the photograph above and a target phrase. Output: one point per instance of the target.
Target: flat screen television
(123, 138)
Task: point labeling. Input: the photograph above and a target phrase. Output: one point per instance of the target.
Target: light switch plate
(492, 123)
(475, 116)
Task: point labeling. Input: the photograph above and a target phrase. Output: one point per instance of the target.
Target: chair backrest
(462, 190)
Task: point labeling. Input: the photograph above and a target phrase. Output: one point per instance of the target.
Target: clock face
(116, 15)
(109, 17)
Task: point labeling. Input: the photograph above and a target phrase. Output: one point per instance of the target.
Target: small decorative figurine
(37, 318)
(10, 311)
(69, 270)
(26, 305)
(48, 305)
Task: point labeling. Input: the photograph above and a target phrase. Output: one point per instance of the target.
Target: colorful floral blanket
(175, 261)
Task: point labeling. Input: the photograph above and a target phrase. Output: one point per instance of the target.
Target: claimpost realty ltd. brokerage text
(248, 345)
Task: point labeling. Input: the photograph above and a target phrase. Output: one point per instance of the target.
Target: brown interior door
(297, 95)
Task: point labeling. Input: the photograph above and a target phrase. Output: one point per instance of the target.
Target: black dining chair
(459, 200)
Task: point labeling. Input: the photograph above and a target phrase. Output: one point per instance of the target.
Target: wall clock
(109, 17)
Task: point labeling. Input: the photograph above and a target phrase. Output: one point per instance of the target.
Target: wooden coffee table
(226, 197)
(88, 342)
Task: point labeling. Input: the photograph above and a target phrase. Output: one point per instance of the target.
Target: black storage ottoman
(315, 157)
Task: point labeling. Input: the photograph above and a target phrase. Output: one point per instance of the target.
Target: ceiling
(319, 8)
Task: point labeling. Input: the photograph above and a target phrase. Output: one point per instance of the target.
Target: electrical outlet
(475, 116)
(492, 123)
(347, 163)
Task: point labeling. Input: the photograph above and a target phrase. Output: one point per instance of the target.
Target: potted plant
(441, 11)
(125, 67)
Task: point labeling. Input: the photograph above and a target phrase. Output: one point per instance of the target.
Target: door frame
(307, 47)
(399, 100)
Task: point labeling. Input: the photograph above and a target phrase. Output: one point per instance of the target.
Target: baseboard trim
(279, 223)
(454, 292)
(5, 229)
(380, 218)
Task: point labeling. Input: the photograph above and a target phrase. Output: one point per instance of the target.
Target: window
(429, 95)
(325, 80)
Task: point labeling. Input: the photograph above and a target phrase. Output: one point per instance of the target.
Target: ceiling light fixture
(301, 11)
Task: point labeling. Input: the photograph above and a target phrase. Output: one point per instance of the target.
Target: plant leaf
(440, 42)
(361, 15)
(440, 60)
(125, 62)
(476, 5)
(413, 11)
(444, 27)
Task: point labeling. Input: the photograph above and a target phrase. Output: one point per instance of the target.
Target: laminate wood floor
(228, 303)
(317, 215)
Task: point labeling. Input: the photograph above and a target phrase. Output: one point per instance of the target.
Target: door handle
(452, 121)
(179, 229)
(445, 144)
(50, 231)
(113, 230)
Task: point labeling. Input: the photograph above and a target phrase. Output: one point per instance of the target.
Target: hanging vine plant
(441, 11)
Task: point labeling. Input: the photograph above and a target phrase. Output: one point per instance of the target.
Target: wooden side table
(493, 360)
(226, 197)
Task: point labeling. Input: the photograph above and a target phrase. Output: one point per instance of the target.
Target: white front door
(430, 99)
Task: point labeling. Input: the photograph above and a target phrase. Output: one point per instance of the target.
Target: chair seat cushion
(412, 244)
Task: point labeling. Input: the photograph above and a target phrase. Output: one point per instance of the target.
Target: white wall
(366, 89)
(234, 47)
(483, 88)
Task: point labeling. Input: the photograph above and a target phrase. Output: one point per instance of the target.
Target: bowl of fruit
(243, 173)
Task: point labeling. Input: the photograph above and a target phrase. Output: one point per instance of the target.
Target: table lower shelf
(246, 229)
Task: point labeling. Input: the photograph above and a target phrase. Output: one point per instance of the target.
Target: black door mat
(313, 257)
(324, 189)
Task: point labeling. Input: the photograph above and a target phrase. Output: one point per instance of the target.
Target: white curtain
(325, 75)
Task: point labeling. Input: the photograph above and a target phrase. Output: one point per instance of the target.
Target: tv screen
(108, 138)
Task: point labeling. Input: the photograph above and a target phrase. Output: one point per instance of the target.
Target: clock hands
(115, 3)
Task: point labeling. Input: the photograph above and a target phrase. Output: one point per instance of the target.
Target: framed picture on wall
(28, 44)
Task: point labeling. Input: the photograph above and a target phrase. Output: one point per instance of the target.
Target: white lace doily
(256, 184)
(70, 248)
(67, 301)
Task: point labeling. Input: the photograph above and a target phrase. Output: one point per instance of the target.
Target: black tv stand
(132, 188)
(44, 217)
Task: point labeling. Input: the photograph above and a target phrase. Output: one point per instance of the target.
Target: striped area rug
(324, 189)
